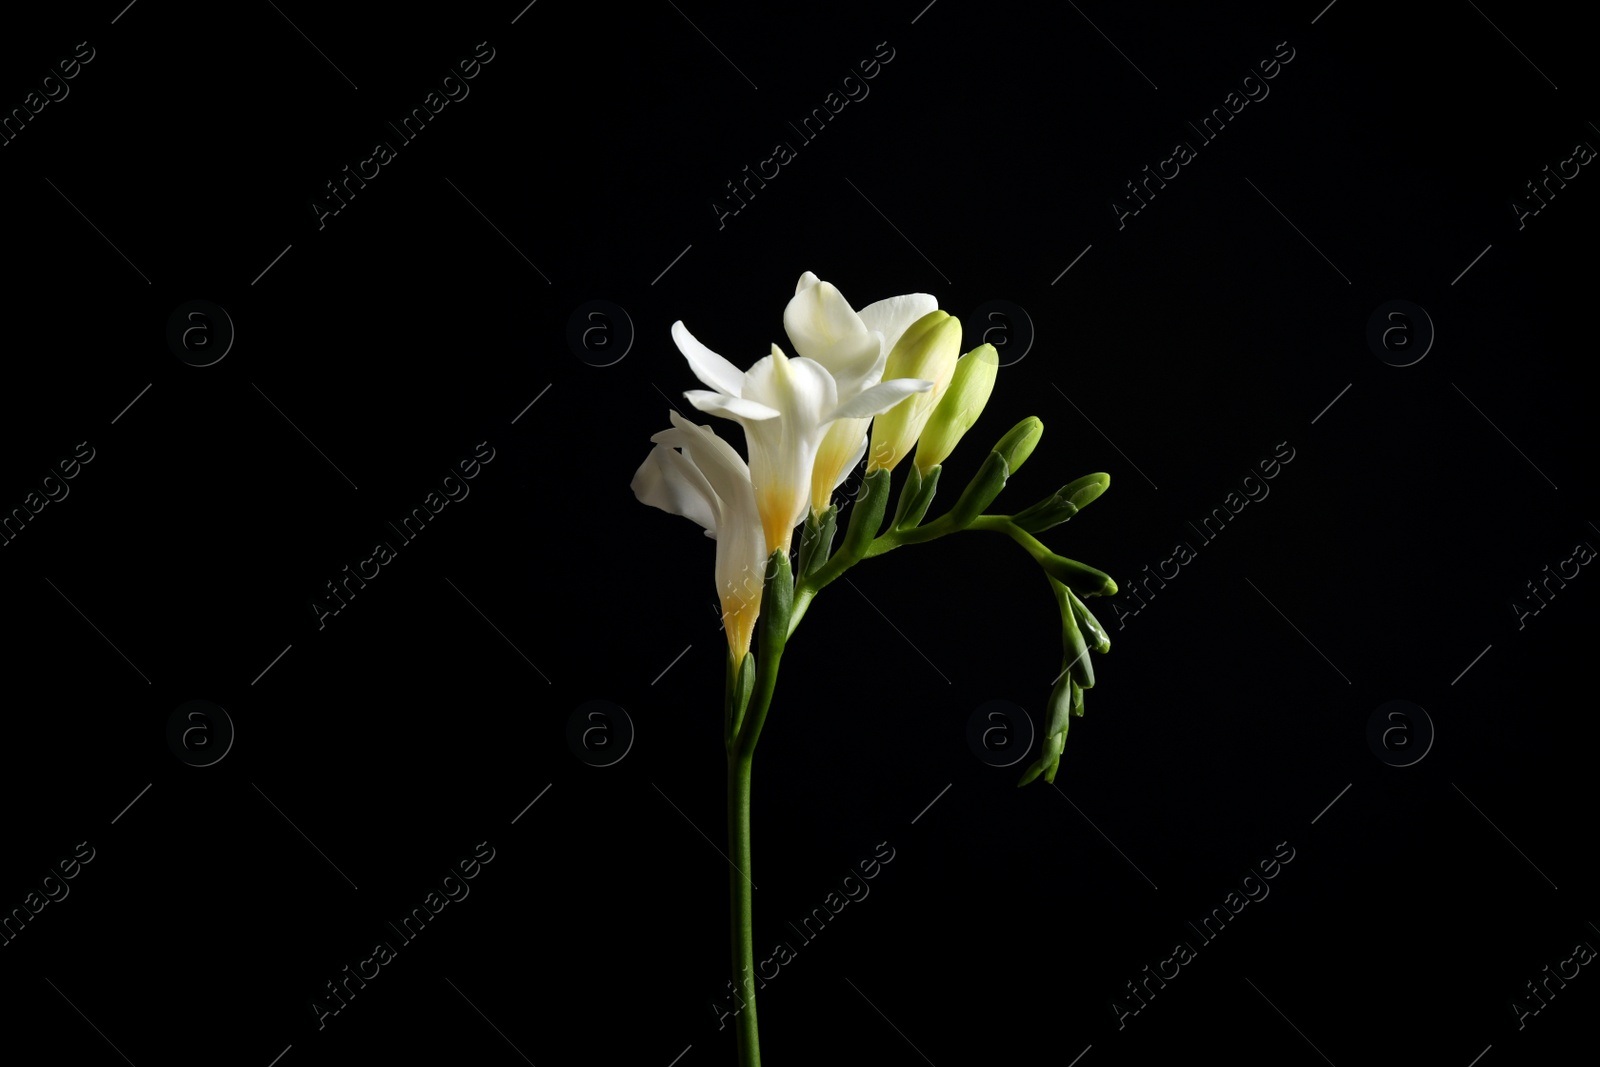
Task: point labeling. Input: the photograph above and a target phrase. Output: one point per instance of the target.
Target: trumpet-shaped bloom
(853, 346)
(708, 482)
(785, 406)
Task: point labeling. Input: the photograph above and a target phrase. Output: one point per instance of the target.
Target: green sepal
(1079, 577)
(777, 602)
(915, 497)
(1077, 701)
(1093, 632)
(981, 491)
(741, 683)
(866, 518)
(816, 540)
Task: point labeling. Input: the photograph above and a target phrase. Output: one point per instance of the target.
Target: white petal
(880, 398)
(822, 326)
(892, 316)
(709, 367)
(733, 407)
(807, 280)
(844, 472)
(668, 481)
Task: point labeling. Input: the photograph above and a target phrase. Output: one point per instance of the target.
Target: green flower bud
(1055, 738)
(1018, 443)
(1080, 578)
(927, 350)
(1063, 504)
(1074, 649)
(960, 407)
(981, 491)
(1093, 632)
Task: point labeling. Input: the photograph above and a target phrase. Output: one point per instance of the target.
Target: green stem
(1003, 524)
(740, 915)
(774, 634)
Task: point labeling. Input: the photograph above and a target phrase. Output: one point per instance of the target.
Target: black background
(425, 716)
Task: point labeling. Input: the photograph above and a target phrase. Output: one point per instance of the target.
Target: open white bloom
(853, 346)
(785, 406)
(709, 483)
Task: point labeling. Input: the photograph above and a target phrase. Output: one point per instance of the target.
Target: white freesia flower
(853, 346)
(709, 483)
(785, 406)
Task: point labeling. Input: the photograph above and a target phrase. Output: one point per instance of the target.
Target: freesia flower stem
(742, 925)
(1003, 524)
(778, 604)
